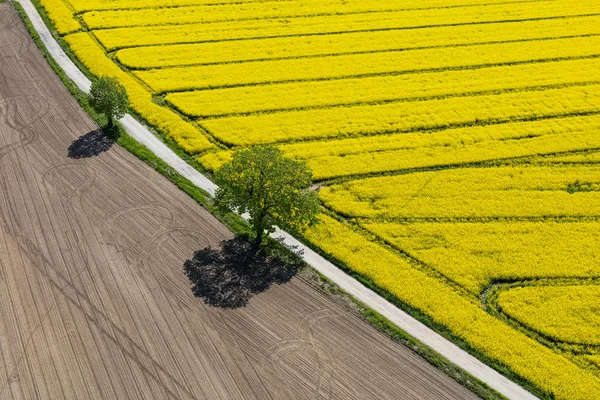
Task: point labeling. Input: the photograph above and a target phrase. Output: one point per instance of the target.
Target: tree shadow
(228, 277)
(91, 144)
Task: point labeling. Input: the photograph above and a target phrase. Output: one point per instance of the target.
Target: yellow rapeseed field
(352, 42)
(456, 144)
(495, 192)
(362, 64)
(459, 17)
(567, 312)
(476, 253)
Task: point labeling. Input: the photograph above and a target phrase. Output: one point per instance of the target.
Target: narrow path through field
(93, 299)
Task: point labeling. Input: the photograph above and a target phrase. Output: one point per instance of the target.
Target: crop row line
(300, 57)
(556, 159)
(484, 220)
(411, 259)
(173, 33)
(440, 167)
(358, 149)
(487, 122)
(393, 101)
(489, 301)
(209, 5)
(533, 142)
(287, 17)
(473, 195)
(486, 163)
(390, 73)
(341, 169)
(283, 136)
(217, 3)
(350, 146)
(416, 27)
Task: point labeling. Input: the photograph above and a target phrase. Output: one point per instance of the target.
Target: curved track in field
(94, 302)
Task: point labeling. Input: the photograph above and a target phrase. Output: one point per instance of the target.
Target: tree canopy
(107, 96)
(271, 188)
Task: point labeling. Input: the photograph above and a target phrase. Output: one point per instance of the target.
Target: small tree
(271, 188)
(107, 96)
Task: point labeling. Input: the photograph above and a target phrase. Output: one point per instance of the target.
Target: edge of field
(237, 225)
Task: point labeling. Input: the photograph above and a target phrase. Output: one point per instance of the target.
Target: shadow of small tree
(228, 277)
(91, 144)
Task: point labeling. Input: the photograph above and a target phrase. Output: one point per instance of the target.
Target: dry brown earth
(93, 299)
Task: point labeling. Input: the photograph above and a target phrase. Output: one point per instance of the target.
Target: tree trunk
(259, 230)
(110, 122)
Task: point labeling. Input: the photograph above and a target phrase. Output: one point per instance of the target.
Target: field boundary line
(357, 76)
(383, 101)
(299, 35)
(275, 17)
(489, 297)
(351, 286)
(218, 4)
(349, 53)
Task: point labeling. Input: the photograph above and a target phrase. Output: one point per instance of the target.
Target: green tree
(107, 96)
(270, 187)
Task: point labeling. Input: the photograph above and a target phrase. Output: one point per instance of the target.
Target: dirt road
(94, 302)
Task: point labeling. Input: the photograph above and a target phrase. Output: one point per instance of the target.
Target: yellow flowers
(403, 116)
(476, 253)
(352, 42)
(184, 133)
(566, 312)
(361, 64)
(453, 152)
(463, 316)
(504, 192)
(263, 9)
(61, 16)
(420, 13)
(88, 5)
(419, 21)
(456, 144)
(313, 94)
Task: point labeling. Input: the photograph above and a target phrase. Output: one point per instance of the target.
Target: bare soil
(94, 301)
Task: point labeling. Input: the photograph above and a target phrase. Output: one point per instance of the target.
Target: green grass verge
(239, 226)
